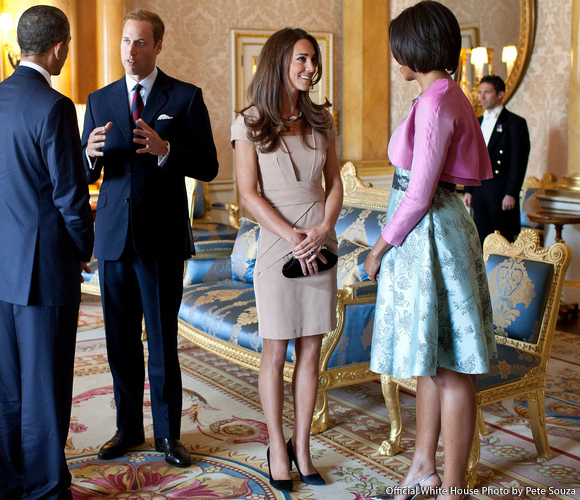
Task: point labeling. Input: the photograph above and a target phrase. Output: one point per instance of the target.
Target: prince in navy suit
(146, 138)
(495, 203)
(46, 236)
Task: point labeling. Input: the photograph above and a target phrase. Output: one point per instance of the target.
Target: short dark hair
(426, 37)
(144, 15)
(40, 28)
(496, 81)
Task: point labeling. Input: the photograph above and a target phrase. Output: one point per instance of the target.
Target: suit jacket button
(501, 151)
(496, 172)
(499, 162)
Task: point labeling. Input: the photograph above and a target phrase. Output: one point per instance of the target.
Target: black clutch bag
(293, 269)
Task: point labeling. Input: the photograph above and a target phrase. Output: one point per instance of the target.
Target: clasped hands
(153, 144)
(308, 248)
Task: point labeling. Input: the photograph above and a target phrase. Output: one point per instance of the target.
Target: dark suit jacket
(509, 149)
(46, 226)
(135, 189)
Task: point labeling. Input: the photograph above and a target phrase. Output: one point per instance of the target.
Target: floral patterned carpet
(222, 425)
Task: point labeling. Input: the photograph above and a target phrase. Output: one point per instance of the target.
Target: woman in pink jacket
(433, 316)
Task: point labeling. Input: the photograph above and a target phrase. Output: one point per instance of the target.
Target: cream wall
(543, 95)
(197, 47)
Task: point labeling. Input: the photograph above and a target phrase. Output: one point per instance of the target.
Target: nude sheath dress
(291, 181)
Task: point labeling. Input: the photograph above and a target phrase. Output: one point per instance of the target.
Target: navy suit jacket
(136, 194)
(46, 226)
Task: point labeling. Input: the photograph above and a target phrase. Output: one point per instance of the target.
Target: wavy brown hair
(267, 88)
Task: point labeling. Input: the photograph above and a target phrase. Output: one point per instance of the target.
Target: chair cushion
(225, 310)
(510, 365)
(518, 289)
(199, 270)
(245, 251)
(351, 259)
(213, 248)
(361, 225)
(211, 231)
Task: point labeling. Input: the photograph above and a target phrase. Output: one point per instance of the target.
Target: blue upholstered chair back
(519, 290)
(361, 225)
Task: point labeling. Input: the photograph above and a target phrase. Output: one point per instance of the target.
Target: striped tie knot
(137, 103)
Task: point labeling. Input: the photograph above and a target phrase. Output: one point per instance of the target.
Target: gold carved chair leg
(537, 416)
(481, 427)
(473, 463)
(320, 417)
(392, 446)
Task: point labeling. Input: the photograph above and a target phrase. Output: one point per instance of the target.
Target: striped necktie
(137, 104)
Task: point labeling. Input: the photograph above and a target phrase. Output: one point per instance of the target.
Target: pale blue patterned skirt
(433, 306)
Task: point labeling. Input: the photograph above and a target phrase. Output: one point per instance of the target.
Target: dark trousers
(488, 215)
(130, 289)
(37, 346)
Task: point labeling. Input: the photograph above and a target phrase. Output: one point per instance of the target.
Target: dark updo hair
(40, 28)
(496, 81)
(426, 37)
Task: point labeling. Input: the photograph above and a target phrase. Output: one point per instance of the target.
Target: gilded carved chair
(525, 282)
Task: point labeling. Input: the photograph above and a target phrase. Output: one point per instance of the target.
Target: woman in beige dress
(284, 145)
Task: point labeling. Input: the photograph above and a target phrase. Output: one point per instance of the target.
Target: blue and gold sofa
(218, 310)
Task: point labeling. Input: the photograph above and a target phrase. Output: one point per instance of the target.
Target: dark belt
(401, 183)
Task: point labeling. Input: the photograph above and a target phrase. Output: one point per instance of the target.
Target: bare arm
(374, 258)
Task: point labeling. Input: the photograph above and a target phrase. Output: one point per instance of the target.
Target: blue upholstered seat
(510, 365)
(218, 299)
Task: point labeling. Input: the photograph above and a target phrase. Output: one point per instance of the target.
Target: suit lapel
(498, 129)
(156, 99)
(120, 105)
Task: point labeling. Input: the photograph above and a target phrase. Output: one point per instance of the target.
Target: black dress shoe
(175, 453)
(120, 443)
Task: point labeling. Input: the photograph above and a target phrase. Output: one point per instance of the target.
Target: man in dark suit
(147, 131)
(496, 202)
(46, 235)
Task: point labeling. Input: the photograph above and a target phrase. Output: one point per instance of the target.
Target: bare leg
(428, 412)
(271, 386)
(458, 417)
(305, 389)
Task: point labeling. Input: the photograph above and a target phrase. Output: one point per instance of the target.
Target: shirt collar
(147, 82)
(38, 68)
(494, 113)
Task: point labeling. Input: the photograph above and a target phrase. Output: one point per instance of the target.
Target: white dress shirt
(488, 122)
(146, 86)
